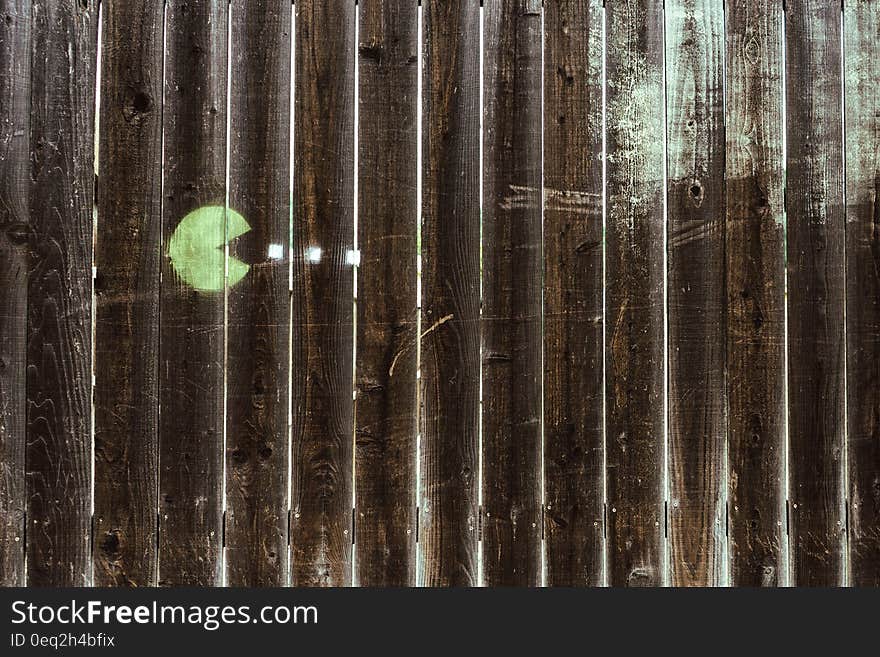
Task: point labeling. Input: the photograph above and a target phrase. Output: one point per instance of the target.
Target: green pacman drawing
(197, 247)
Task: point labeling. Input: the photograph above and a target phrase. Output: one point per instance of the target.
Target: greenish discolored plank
(258, 315)
(15, 82)
(573, 288)
(696, 292)
(450, 313)
(861, 20)
(387, 316)
(127, 253)
(59, 301)
(816, 289)
(511, 320)
(191, 353)
(755, 258)
(322, 322)
(635, 348)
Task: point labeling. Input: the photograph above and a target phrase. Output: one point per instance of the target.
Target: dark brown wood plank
(258, 315)
(15, 82)
(192, 304)
(696, 292)
(755, 255)
(816, 289)
(450, 332)
(635, 351)
(861, 20)
(59, 304)
(127, 256)
(512, 280)
(387, 314)
(323, 236)
(573, 288)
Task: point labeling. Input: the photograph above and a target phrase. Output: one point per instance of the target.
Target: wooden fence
(572, 293)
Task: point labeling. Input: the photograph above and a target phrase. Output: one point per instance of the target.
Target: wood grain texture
(322, 323)
(696, 292)
(512, 281)
(127, 256)
(258, 313)
(634, 366)
(15, 84)
(861, 20)
(59, 305)
(573, 289)
(191, 354)
(755, 257)
(387, 312)
(450, 339)
(816, 289)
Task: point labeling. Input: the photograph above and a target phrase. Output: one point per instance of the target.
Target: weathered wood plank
(15, 82)
(816, 289)
(192, 306)
(512, 280)
(861, 20)
(450, 339)
(258, 313)
(696, 292)
(755, 257)
(387, 319)
(322, 323)
(573, 288)
(127, 256)
(59, 304)
(635, 353)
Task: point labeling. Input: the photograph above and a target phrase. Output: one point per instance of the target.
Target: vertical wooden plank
(861, 20)
(258, 315)
(816, 288)
(15, 80)
(573, 288)
(450, 339)
(59, 305)
(127, 256)
(696, 292)
(755, 255)
(192, 304)
(512, 281)
(635, 352)
(323, 236)
(387, 321)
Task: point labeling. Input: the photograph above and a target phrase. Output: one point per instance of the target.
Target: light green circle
(197, 248)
